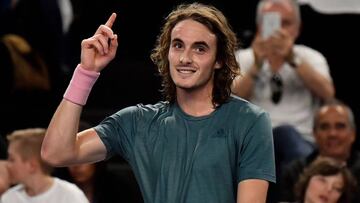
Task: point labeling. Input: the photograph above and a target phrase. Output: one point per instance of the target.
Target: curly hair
(326, 167)
(227, 43)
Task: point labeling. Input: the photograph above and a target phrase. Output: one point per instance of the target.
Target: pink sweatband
(80, 85)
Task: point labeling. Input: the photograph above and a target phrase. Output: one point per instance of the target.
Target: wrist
(258, 62)
(80, 85)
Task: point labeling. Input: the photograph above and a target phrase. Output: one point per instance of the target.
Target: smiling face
(334, 133)
(192, 56)
(324, 189)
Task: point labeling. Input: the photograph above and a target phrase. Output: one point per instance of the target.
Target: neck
(195, 103)
(38, 184)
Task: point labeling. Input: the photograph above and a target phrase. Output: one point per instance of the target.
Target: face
(333, 132)
(19, 169)
(289, 21)
(82, 173)
(192, 56)
(324, 189)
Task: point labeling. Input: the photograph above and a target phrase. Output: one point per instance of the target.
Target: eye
(340, 126)
(200, 49)
(338, 189)
(177, 45)
(324, 126)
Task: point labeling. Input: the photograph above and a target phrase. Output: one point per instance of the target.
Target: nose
(186, 57)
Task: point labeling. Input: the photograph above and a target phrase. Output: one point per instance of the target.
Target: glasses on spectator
(276, 85)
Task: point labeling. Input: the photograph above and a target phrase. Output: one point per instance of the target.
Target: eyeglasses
(276, 85)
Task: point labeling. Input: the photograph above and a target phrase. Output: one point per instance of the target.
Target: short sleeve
(256, 158)
(117, 132)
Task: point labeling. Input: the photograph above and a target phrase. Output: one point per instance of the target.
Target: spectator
(335, 132)
(32, 175)
(325, 180)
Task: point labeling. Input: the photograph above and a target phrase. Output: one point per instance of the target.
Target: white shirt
(297, 104)
(60, 192)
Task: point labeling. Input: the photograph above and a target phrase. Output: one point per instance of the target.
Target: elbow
(51, 154)
(329, 93)
(49, 158)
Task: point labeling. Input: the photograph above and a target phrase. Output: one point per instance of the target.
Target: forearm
(318, 84)
(59, 145)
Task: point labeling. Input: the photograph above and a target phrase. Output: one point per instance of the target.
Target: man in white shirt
(287, 80)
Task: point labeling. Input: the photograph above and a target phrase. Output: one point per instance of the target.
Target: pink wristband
(80, 85)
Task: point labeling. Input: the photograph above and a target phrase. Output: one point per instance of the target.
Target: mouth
(323, 198)
(186, 70)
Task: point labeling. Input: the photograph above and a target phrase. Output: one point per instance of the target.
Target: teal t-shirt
(180, 158)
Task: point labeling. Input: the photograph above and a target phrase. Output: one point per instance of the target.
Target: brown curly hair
(227, 43)
(326, 167)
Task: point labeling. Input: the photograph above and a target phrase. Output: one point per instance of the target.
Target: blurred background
(54, 30)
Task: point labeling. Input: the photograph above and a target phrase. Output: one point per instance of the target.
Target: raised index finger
(111, 20)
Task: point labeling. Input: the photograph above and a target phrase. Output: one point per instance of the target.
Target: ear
(33, 163)
(218, 65)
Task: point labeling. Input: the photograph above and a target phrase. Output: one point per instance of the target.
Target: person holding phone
(286, 79)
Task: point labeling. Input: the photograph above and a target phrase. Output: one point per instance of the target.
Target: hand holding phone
(270, 23)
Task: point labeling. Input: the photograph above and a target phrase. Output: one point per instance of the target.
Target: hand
(97, 51)
(259, 46)
(280, 44)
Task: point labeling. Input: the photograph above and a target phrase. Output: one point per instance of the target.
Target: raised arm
(62, 144)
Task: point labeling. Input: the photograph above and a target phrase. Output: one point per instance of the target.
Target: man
(334, 131)
(286, 79)
(32, 175)
(201, 145)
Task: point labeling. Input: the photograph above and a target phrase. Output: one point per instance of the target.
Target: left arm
(252, 191)
(314, 81)
(283, 50)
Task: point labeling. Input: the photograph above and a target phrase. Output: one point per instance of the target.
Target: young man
(201, 145)
(33, 175)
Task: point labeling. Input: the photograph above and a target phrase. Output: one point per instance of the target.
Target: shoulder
(245, 58)
(11, 192)
(72, 191)
(66, 186)
(244, 53)
(244, 107)
(306, 51)
(144, 109)
(242, 111)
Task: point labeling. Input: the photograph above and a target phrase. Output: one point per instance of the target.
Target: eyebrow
(202, 43)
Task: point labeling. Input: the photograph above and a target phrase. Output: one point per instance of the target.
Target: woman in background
(325, 181)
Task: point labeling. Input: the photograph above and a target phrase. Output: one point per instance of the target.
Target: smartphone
(270, 23)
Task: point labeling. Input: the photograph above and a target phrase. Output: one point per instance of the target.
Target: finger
(103, 29)
(111, 20)
(103, 40)
(113, 44)
(93, 43)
